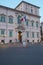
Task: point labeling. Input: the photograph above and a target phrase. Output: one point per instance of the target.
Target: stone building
(20, 24)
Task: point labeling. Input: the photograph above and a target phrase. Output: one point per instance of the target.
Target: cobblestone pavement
(32, 55)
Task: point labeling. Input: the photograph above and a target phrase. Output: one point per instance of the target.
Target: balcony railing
(20, 26)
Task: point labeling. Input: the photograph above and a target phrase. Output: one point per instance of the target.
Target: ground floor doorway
(20, 36)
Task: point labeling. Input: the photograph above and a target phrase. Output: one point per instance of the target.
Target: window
(26, 7)
(27, 22)
(31, 10)
(32, 23)
(36, 11)
(36, 24)
(27, 34)
(37, 34)
(32, 34)
(2, 18)
(10, 33)
(10, 20)
(18, 19)
(2, 32)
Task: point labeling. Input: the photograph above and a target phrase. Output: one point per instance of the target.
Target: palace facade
(20, 24)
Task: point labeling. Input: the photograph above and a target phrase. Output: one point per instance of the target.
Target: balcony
(20, 27)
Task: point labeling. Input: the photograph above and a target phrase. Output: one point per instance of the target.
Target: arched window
(10, 19)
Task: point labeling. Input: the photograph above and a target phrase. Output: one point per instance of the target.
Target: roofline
(6, 7)
(26, 3)
(19, 11)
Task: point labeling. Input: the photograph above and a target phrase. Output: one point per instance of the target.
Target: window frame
(27, 23)
(2, 31)
(37, 24)
(32, 23)
(18, 19)
(27, 32)
(11, 19)
(10, 33)
(2, 18)
(37, 34)
(31, 10)
(33, 35)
